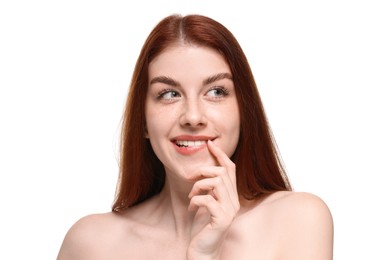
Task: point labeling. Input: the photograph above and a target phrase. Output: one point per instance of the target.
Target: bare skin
(193, 126)
(284, 225)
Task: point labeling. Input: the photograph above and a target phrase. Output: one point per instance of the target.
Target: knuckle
(208, 198)
(196, 186)
(222, 172)
(218, 181)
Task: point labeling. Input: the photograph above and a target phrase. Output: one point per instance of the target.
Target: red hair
(259, 168)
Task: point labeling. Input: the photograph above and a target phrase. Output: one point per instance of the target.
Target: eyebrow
(165, 80)
(217, 77)
(171, 82)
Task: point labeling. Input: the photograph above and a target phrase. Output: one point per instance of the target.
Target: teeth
(190, 143)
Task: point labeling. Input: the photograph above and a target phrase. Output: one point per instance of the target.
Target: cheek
(153, 126)
(158, 121)
(235, 127)
(230, 122)
(233, 138)
(151, 117)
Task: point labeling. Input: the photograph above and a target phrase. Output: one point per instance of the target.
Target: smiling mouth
(190, 144)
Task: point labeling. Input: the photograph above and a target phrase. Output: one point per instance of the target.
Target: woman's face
(191, 99)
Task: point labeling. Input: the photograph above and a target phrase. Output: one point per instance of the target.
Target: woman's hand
(215, 198)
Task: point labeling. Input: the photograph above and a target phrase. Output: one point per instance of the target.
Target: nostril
(193, 119)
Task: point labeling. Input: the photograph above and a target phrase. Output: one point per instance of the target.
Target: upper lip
(192, 138)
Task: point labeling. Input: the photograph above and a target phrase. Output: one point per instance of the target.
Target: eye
(217, 92)
(168, 94)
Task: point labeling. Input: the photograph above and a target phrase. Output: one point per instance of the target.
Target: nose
(193, 114)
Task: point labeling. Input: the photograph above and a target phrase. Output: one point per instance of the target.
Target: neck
(174, 197)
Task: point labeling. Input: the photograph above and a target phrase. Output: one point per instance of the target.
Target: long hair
(259, 168)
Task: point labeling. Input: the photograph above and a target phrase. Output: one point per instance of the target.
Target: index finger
(221, 157)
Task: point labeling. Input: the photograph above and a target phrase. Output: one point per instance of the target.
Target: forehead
(180, 61)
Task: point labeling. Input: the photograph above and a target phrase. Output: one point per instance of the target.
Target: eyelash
(161, 94)
(224, 92)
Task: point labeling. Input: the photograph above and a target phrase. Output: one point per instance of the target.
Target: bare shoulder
(306, 224)
(299, 209)
(297, 225)
(87, 235)
(299, 203)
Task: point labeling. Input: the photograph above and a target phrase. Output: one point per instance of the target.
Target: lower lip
(189, 150)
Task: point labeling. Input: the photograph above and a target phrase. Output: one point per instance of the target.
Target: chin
(190, 170)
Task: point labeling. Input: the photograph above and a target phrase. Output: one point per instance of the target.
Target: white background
(322, 68)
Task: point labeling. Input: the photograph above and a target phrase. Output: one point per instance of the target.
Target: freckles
(161, 117)
(151, 110)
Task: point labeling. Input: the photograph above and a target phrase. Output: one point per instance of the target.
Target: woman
(200, 176)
